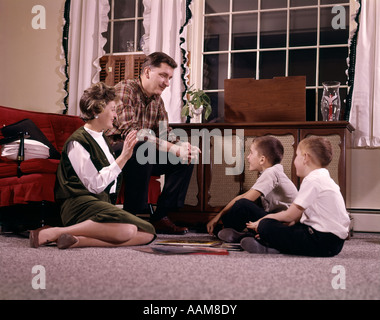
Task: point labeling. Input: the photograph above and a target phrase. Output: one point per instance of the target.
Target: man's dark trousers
(136, 177)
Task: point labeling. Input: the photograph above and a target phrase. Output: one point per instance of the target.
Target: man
(141, 107)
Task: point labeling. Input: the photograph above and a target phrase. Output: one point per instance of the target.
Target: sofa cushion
(27, 125)
(29, 188)
(39, 166)
(9, 168)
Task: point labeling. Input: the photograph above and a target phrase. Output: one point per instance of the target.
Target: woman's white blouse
(95, 181)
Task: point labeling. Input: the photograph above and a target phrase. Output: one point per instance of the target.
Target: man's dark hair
(156, 58)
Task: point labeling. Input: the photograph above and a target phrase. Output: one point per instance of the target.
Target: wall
(30, 60)
(364, 200)
(365, 178)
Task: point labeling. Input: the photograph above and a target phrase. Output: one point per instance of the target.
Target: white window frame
(197, 43)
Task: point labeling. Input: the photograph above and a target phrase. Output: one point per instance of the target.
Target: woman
(87, 180)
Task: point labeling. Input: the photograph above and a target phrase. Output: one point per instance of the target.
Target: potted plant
(197, 102)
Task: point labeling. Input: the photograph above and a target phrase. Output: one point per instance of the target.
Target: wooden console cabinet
(211, 189)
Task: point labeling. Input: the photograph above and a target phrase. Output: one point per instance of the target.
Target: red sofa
(30, 196)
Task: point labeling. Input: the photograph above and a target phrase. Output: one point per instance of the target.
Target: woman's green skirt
(78, 209)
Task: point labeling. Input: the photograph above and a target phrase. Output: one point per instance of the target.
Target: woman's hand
(129, 143)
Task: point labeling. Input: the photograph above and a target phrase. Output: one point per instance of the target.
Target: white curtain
(88, 20)
(365, 106)
(163, 20)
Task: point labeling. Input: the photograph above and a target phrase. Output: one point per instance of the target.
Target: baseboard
(365, 220)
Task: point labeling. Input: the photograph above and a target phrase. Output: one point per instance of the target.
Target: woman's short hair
(95, 99)
(270, 147)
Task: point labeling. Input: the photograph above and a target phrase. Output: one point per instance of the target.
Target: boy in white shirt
(317, 223)
(275, 190)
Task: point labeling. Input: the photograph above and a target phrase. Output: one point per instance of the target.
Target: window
(265, 39)
(125, 27)
(124, 55)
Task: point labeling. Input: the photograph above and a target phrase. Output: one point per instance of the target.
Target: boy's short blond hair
(319, 148)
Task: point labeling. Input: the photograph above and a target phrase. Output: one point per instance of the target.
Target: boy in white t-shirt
(317, 223)
(275, 190)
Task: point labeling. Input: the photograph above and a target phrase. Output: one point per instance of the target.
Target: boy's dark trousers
(298, 239)
(242, 211)
(136, 179)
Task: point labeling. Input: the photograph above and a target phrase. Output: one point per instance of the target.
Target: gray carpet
(124, 273)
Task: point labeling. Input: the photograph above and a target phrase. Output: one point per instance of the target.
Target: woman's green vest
(68, 183)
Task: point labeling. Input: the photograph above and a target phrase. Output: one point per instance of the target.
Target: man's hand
(185, 151)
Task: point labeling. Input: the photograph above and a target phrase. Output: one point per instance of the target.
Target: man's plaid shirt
(136, 111)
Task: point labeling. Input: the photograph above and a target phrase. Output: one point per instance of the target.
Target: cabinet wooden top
(273, 125)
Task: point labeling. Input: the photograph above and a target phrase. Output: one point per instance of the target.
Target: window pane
(303, 63)
(243, 65)
(109, 12)
(217, 105)
(310, 105)
(214, 71)
(343, 97)
(273, 4)
(140, 33)
(334, 1)
(303, 27)
(124, 33)
(124, 9)
(244, 5)
(272, 64)
(332, 65)
(320, 92)
(215, 6)
(106, 35)
(303, 3)
(216, 33)
(329, 35)
(244, 31)
(140, 8)
(273, 29)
